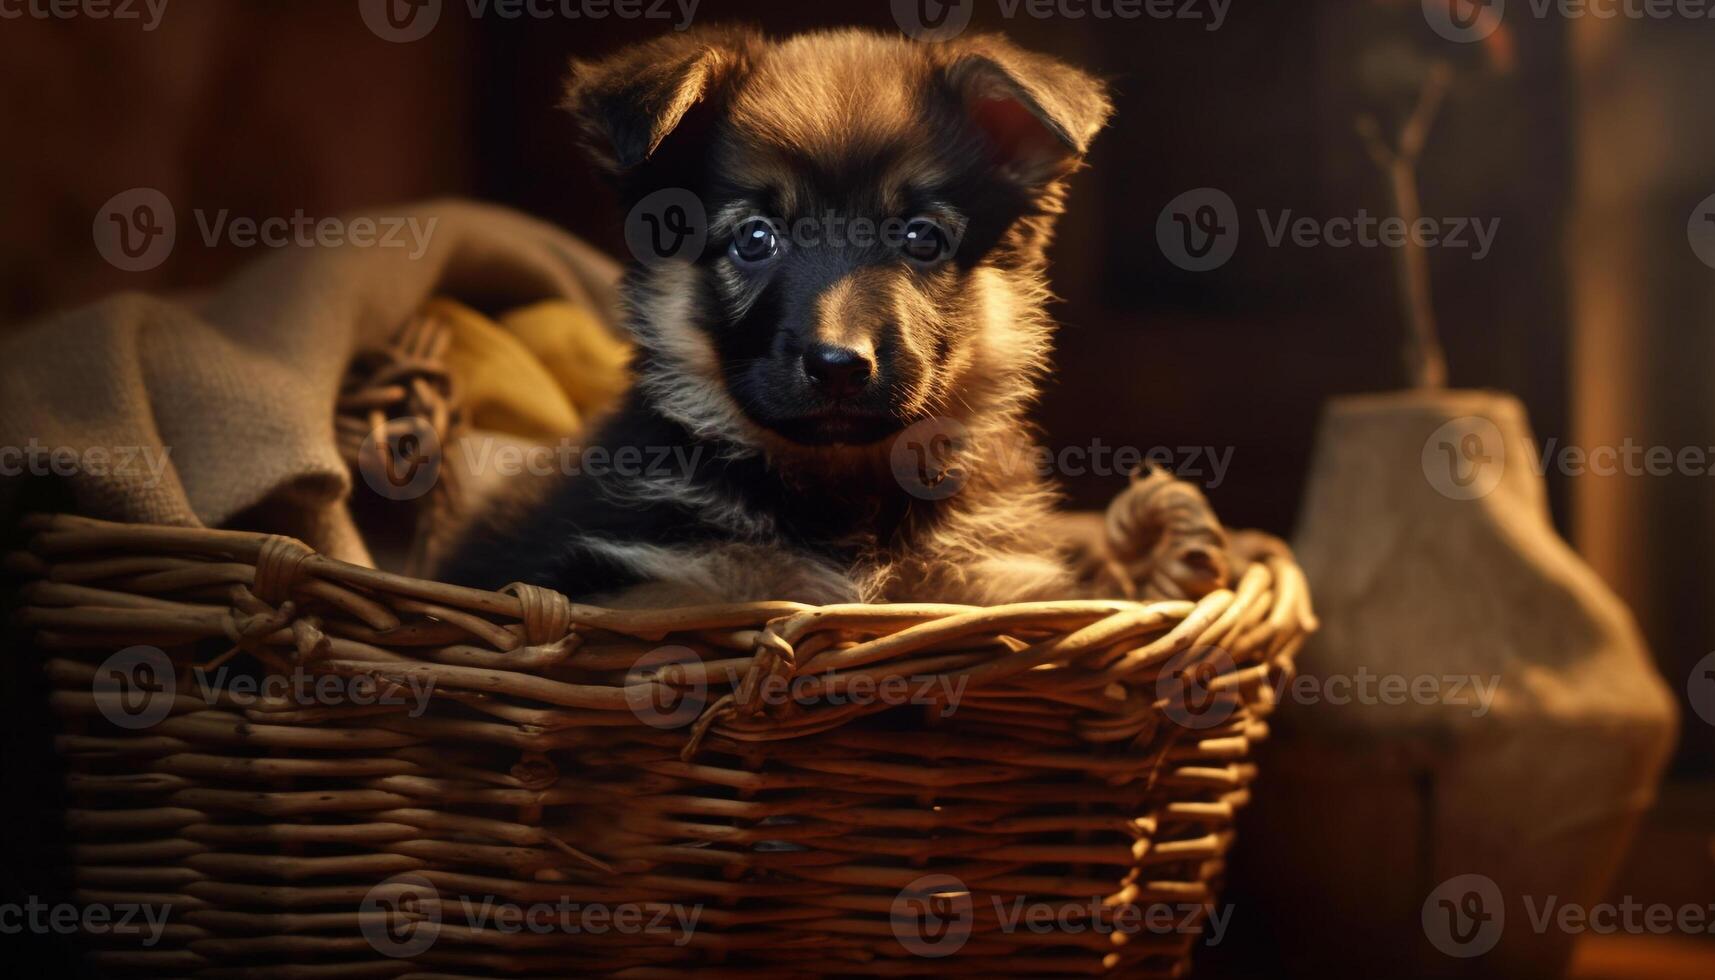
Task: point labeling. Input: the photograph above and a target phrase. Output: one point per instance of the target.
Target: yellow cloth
(541, 371)
(591, 363)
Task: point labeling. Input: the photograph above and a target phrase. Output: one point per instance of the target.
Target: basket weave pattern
(740, 761)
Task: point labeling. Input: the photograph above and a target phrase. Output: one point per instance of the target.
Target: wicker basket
(441, 781)
(724, 762)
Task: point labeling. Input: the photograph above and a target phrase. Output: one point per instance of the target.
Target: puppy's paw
(1163, 540)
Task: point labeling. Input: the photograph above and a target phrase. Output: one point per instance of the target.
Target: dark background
(266, 107)
(1591, 152)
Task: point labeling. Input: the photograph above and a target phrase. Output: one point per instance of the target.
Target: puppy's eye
(754, 242)
(925, 242)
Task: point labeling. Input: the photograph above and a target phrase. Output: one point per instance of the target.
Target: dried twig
(1425, 363)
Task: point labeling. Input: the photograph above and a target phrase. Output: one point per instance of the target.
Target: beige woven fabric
(200, 410)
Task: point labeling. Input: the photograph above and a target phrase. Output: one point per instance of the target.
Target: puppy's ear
(628, 103)
(1038, 115)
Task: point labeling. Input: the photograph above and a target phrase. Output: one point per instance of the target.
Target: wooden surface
(1632, 957)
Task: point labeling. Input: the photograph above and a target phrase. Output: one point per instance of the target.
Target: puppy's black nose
(839, 371)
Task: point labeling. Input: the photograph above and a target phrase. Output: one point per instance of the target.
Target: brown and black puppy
(868, 309)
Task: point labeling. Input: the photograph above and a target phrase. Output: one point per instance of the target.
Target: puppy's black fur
(784, 365)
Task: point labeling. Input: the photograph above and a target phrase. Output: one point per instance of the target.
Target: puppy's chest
(819, 574)
(826, 529)
(825, 517)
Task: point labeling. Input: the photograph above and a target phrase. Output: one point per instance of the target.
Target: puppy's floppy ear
(628, 103)
(1037, 114)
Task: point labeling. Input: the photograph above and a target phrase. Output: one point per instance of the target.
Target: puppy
(852, 406)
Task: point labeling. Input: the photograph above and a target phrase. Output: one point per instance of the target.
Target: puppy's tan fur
(975, 134)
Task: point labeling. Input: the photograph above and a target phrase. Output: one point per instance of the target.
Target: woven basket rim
(60, 536)
(1247, 634)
